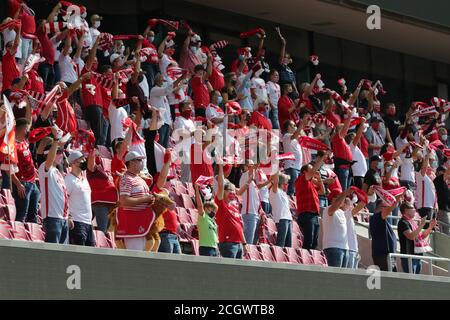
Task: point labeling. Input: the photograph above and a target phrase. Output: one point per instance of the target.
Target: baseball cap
(375, 158)
(113, 57)
(133, 155)
(74, 155)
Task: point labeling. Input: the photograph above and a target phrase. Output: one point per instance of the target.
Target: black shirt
(372, 177)
(383, 237)
(286, 74)
(443, 193)
(406, 245)
(392, 123)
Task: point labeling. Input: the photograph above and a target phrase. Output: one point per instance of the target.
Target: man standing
(291, 145)
(79, 193)
(441, 183)
(54, 199)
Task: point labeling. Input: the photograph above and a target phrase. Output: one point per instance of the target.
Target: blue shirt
(383, 237)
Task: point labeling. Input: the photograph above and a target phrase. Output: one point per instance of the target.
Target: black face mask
(140, 78)
(40, 159)
(83, 166)
(233, 82)
(212, 215)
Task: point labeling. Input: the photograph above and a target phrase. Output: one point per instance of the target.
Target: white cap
(259, 101)
(113, 57)
(74, 155)
(132, 155)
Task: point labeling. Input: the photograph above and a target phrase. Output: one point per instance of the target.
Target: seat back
(5, 231)
(253, 253)
(183, 215)
(305, 256)
(319, 257)
(279, 254)
(101, 241)
(187, 201)
(19, 231)
(8, 204)
(266, 253)
(292, 255)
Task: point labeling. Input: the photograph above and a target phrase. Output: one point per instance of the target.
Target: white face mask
(444, 137)
(150, 39)
(122, 49)
(194, 49)
(84, 15)
(96, 24)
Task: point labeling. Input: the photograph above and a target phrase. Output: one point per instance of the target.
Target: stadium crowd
(98, 129)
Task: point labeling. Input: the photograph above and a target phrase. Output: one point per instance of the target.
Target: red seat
(187, 202)
(193, 213)
(292, 255)
(19, 231)
(184, 232)
(8, 204)
(35, 231)
(271, 225)
(296, 228)
(266, 253)
(305, 256)
(297, 242)
(183, 215)
(319, 257)
(112, 239)
(177, 199)
(253, 253)
(104, 152)
(5, 231)
(190, 189)
(180, 189)
(271, 232)
(101, 241)
(279, 254)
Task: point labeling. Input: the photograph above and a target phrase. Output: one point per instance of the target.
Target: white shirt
(274, 93)
(94, 33)
(244, 85)
(55, 46)
(182, 124)
(260, 88)
(351, 232)
(164, 62)
(79, 193)
(292, 145)
(214, 112)
(359, 169)
(116, 115)
(280, 205)
(426, 193)
(53, 193)
(334, 230)
(181, 127)
(67, 69)
(144, 86)
(250, 198)
(10, 35)
(158, 98)
(407, 172)
(261, 177)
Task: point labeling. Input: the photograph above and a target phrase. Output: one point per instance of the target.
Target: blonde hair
(211, 205)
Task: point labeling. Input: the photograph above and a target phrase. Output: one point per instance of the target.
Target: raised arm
(162, 46)
(92, 54)
(16, 40)
(162, 179)
(309, 90)
(347, 121)
(359, 133)
(316, 167)
(67, 44)
(54, 12)
(283, 45)
(76, 85)
(79, 46)
(274, 178)
(337, 203)
(220, 183)
(355, 94)
(198, 200)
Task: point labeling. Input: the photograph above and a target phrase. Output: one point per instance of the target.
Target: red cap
(333, 194)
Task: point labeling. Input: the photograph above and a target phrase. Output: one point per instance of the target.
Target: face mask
(170, 52)
(122, 49)
(70, 50)
(83, 15)
(444, 137)
(262, 108)
(377, 108)
(286, 61)
(96, 24)
(388, 169)
(212, 214)
(150, 39)
(83, 166)
(219, 100)
(194, 49)
(241, 57)
(434, 164)
(379, 166)
(186, 113)
(233, 82)
(376, 126)
(354, 199)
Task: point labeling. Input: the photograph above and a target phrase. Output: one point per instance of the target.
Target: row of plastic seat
(288, 255)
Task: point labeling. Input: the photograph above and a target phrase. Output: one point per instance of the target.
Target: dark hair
(272, 71)
(103, 68)
(15, 81)
(199, 67)
(21, 122)
(183, 104)
(286, 124)
(304, 168)
(405, 206)
(285, 87)
(303, 113)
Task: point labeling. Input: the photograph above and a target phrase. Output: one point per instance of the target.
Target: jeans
(5, 180)
(323, 202)
(343, 174)
(57, 72)
(383, 262)
(26, 209)
(273, 115)
(284, 235)
(169, 243)
(391, 221)
(336, 257)
(266, 207)
(82, 234)
(310, 227)
(293, 174)
(208, 251)
(100, 212)
(47, 73)
(106, 131)
(56, 230)
(231, 250)
(250, 224)
(352, 260)
(164, 133)
(416, 265)
(94, 116)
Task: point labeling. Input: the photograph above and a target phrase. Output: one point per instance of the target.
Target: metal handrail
(410, 257)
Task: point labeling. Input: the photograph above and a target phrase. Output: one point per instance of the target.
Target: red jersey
(10, 70)
(65, 118)
(91, 91)
(229, 222)
(47, 49)
(341, 150)
(28, 21)
(117, 167)
(27, 171)
(306, 195)
(364, 146)
(284, 104)
(333, 118)
(35, 82)
(260, 121)
(200, 92)
(217, 79)
(199, 165)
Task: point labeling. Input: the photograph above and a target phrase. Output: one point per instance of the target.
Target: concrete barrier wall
(39, 271)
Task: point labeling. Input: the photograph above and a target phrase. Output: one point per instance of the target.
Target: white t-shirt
(334, 230)
(280, 205)
(144, 86)
(260, 88)
(55, 45)
(359, 169)
(407, 172)
(79, 193)
(292, 145)
(274, 93)
(10, 35)
(116, 115)
(158, 98)
(94, 33)
(351, 232)
(164, 62)
(214, 112)
(250, 198)
(426, 193)
(67, 69)
(53, 193)
(261, 177)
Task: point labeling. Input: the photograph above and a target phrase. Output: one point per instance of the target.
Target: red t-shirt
(260, 121)
(91, 91)
(200, 93)
(170, 221)
(27, 171)
(333, 118)
(217, 79)
(204, 168)
(28, 21)
(35, 82)
(229, 222)
(393, 183)
(341, 149)
(117, 166)
(306, 195)
(284, 104)
(65, 118)
(10, 70)
(364, 146)
(47, 49)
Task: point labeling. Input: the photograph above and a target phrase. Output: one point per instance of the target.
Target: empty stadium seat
(190, 189)
(35, 231)
(19, 231)
(292, 255)
(296, 228)
(104, 153)
(319, 257)
(193, 213)
(5, 231)
(296, 241)
(253, 253)
(187, 201)
(305, 256)
(183, 215)
(8, 204)
(279, 254)
(266, 253)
